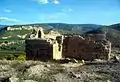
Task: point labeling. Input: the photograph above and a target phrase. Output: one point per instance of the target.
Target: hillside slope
(18, 33)
(22, 31)
(112, 34)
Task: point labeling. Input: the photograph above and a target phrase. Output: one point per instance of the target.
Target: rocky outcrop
(21, 28)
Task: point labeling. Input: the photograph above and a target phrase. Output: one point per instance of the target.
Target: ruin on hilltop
(53, 45)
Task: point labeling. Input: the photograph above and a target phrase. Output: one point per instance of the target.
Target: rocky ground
(37, 71)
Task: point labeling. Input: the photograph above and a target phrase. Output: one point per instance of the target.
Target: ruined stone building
(53, 46)
(52, 34)
(41, 48)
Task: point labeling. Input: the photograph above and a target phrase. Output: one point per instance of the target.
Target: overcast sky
(60, 11)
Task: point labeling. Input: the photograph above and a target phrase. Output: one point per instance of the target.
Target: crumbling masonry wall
(39, 49)
(80, 48)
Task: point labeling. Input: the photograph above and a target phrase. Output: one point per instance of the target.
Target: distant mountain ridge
(2, 26)
(112, 31)
(63, 28)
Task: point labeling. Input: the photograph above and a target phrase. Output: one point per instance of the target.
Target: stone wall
(37, 49)
(80, 48)
(57, 51)
(40, 49)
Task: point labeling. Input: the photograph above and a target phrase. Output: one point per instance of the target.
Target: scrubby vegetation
(19, 57)
(37, 71)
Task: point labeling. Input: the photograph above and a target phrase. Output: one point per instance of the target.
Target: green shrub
(21, 57)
